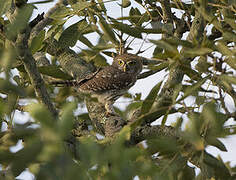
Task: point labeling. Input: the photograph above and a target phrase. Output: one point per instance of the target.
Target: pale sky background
(142, 86)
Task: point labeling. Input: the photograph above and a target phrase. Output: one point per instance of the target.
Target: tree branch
(26, 57)
(105, 124)
(176, 74)
(147, 131)
(167, 16)
(34, 75)
(45, 21)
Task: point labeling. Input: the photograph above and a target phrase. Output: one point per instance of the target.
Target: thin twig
(43, 23)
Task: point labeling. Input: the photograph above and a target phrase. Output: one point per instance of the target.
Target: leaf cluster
(199, 95)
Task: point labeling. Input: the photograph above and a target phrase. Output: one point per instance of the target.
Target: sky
(114, 11)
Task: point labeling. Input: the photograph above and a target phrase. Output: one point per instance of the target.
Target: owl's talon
(110, 109)
(110, 114)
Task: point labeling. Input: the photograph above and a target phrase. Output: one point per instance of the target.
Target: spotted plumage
(111, 82)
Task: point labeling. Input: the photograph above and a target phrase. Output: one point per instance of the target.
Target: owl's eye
(121, 62)
(131, 63)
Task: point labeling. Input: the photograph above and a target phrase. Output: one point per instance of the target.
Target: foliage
(197, 49)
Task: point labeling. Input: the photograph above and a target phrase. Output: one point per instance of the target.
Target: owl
(113, 81)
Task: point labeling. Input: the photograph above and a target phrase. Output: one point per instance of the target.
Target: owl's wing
(70, 83)
(109, 78)
(88, 77)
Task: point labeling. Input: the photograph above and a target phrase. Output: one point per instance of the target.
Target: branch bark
(147, 131)
(25, 55)
(176, 74)
(167, 16)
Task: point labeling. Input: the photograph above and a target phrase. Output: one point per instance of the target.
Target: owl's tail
(67, 83)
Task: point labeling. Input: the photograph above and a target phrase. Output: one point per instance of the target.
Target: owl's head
(129, 63)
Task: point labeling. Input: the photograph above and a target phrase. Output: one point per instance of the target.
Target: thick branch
(201, 159)
(26, 57)
(31, 68)
(147, 131)
(176, 74)
(70, 61)
(104, 123)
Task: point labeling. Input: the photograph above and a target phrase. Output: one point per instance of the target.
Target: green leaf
(176, 41)
(134, 15)
(124, 134)
(24, 131)
(137, 19)
(55, 29)
(202, 65)
(99, 60)
(107, 29)
(213, 120)
(125, 28)
(217, 143)
(229, 79)
(193, 130)
(224, 49)
(207, 14)
(85, 41)
(10, 105)
(164, 145)
(90, 152)
(80, 6)
(61, 12)
(37, 42)
(194, 75)
(152, 116)
(220, 169)
(231, 22)
(26, 156)
(161, 27)
(131, 108)
(66, 120)
(139, 1)
(224, 83)
(160, 66)
(6, 156)
(101, 47)
(69, 36)
(8, 88)
(4, 6)
(193, 88)
(20, 22)
(41, 114)
(54, 71)
(230, 36)
(199, 51)
(151, 31)
(165, 45)
(8, 57)
(150, 99)
(187, 173)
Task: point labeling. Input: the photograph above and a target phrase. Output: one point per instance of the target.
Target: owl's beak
(125, 67)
